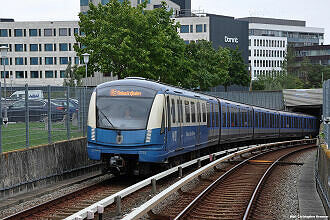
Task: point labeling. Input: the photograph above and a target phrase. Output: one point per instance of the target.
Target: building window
(62, 74)
(49, 74)
(205, 28)
(18, 47)
(18, 33)
(64, 60)
(4, 59)
(48, 32)
(76, 30)
(191, 28)
(49, 47)
(3, 33)
(63, 47)
(34, 74)
(19, 61)
(76, 60)
(199, 28)
(19, 74)
(49, 61)
(34, 60)
(184, 29)
(33, 32)
(33, 47)
(83, 2)
(63, 32)
(104, 2)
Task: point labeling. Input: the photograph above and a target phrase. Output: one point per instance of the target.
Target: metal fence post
(1, 122)
(49, 118)
(68, 112)
(27, 138)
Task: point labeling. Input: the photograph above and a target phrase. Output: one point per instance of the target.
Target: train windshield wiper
(107, 119)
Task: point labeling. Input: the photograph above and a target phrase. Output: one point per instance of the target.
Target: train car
(135, 124)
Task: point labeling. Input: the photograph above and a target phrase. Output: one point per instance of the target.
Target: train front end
(124, 126)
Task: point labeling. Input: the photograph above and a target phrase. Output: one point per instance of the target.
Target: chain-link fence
(32, 116)
(326, 111)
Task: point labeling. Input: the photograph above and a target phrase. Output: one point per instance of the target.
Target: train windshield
(124, 107)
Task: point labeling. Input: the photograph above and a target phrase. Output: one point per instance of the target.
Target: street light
(4, 50)
(86, 59)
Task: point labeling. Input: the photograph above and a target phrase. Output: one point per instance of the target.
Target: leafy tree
(238, 72)
(131, 41)
(73, 75)
(282, 81)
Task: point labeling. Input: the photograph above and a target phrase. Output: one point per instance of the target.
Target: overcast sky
(316, 13)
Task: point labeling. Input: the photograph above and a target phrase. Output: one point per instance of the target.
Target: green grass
(14, 135)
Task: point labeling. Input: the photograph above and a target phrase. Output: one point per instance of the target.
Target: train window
(250, 118)
(168, 113)
(217, 115)
(232, 116)
(204, 112)
(213, 115)
(173, 111)
(193, 112)
(208, 114)
(228, 116)
(224, 116)
(187, 111)
(198, 112)
(179, 110)
(256, 115)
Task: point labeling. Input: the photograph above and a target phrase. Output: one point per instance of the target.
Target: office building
(316, 54)
(269, 39)
(39, 52)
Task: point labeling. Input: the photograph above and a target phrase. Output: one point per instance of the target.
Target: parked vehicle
(38, 111)
(33, 94)
(73, 105)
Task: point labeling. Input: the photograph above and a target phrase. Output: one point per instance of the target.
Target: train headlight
(148, 136)
(93, 134)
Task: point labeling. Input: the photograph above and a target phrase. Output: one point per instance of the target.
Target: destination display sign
(117, 92)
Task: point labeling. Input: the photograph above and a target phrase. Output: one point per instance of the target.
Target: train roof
(159, 86)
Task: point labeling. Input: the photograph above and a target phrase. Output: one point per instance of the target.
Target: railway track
(66, 205)
(230, 194)
(234, 193)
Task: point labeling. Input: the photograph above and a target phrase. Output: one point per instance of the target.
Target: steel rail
(263, 179)
(210, 187)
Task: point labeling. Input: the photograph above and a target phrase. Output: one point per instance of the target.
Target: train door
(180, 121)
(171, 131)
(198, 129)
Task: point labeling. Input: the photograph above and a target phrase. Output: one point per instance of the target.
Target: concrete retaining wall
(24, 170)
(322, 177)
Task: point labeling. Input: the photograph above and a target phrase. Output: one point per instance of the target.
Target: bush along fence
(33, 116)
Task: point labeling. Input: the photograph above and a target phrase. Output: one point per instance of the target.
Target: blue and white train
(135, 125)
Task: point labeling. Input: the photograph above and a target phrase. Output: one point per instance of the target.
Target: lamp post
(86, 59)
(4, 50)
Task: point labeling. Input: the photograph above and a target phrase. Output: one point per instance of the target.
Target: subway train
(138, 126)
